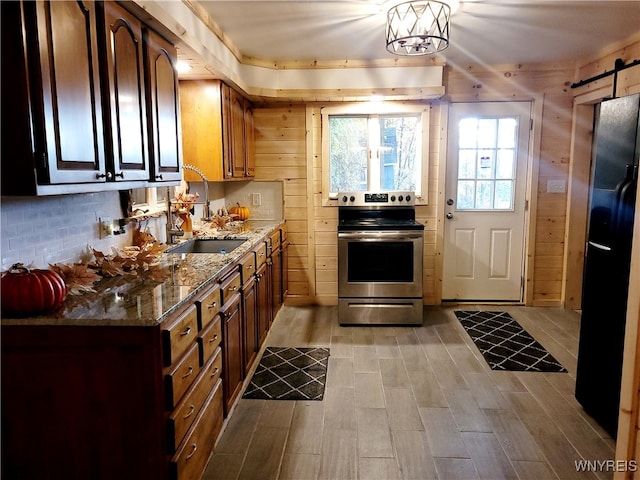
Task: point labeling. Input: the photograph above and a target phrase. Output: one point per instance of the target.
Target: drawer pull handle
(213, 305)
(192, 409)
(261, 254)
(194, 447)
(186, 332)
(215, 372)
(249, 267)
(215, 337)
(234, 288)
(188, 373)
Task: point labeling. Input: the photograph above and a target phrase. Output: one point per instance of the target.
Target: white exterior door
(485, 201)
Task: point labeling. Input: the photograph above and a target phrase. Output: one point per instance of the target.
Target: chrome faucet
(206, 213)
(172, 230)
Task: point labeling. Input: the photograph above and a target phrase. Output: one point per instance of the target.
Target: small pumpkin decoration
(241, 213)
(30, 292)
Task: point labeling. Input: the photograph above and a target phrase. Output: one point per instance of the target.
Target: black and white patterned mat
(504, 344)
(289, 374)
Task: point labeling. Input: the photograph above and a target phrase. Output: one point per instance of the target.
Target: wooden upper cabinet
(165, 149)
(79, 94)
(127, 107)
(237, 135)
(66, 94)
(214, 130)
(250, 145)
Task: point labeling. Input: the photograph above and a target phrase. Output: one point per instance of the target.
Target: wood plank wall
(288, 148)
(549, 85)
(280, 134)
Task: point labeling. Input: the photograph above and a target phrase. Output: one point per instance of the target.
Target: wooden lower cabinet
(96, 402)
(82, 402)
(233, 370)
(106, 402)
(191, 458)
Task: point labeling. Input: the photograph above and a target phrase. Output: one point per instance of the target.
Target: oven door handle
(381, 235)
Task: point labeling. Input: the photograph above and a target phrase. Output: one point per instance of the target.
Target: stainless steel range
(380, 247)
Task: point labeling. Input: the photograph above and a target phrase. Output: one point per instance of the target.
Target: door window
(486, 163)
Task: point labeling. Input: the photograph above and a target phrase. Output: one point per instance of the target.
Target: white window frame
(375, 108)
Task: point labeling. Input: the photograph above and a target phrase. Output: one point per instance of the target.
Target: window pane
(468, 133)
(504, 195)
(504, 163)
(466, 194)
(485, 164)
(467, 164)
(487, 132)
(399, 150)
(349, 147)
(484, 194)
(507, 132)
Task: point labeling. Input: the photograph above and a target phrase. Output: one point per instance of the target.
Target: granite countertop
(148, 298)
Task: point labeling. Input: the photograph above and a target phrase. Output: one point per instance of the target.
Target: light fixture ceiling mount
(418, 27)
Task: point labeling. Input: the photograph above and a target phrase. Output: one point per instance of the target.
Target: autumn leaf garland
(142, 256)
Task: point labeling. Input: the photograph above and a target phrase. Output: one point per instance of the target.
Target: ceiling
(482, 31)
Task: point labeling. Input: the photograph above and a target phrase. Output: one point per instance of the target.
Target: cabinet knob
(107, 175)
(213, 305)
(159, 177)
(121, 175)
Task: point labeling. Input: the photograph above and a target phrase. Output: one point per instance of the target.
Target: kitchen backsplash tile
(39, 231)
(42, 230)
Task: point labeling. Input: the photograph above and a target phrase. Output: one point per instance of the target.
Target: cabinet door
(249, 140)
(66, 91)
(264, 304)
(127, 106)
(237, 135)
(227, 141)
(233, 371)
(163, 109)
(249, 324)
(285, 269)
(276, 286)
(201, 117)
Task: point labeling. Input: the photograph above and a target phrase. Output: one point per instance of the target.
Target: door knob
(449, 216)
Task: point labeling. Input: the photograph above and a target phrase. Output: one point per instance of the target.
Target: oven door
(380, 264)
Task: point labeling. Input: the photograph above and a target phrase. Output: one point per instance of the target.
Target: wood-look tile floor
(417, 403)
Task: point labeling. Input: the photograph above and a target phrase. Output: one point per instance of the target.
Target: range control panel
(359, 199)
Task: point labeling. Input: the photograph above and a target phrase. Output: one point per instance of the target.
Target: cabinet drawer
(179, 334)
(179, 378)
(192, 456)
(261, 254)
(275, 239)
(209, 306)
(209, 339)
(187, 410)
(230, 285)
(248, 267)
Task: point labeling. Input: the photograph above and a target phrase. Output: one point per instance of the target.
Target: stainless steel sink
(208, 245)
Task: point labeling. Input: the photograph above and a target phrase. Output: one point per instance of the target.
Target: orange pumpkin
(30, 292)
(241, 213)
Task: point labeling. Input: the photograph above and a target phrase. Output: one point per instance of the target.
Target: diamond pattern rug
(504, 344)
(290, 374)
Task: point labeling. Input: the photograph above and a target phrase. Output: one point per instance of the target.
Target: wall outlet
(105, 226)
(556, 186)
(256, 199)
